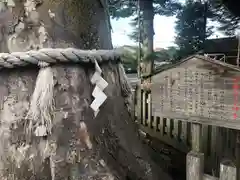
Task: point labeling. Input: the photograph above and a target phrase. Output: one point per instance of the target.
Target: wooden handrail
(223, 58)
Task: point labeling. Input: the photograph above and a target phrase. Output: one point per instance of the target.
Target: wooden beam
(182, 147)
(231, 124)
(208, 177)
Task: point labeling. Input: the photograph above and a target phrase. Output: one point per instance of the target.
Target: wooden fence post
(196, 131)
(183, 135)
(228, 171)
(214, 144)
(195, 159)
(149, 101)
(195, 165)
(144, 94)
(133, 108)
(238, 153)
(138, 107)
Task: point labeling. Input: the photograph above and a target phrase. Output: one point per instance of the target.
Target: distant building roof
(158, 49)
(160, 64)
(227, 46)
(169, 66)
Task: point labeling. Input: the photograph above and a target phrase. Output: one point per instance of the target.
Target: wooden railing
(218, 143)
(219, 56)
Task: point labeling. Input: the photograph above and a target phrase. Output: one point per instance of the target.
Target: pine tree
(226, 15)
(128, 8)
(191, 27)
(145, 27)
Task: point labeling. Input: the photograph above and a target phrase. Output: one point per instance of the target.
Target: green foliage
(135, 35)
(168, 54)
(130, 56)
(232, 6)
(161, 7)
(229, 21)
(162, 55)
(191, 27)
(166, 7)
(128, 8)
(122, 8)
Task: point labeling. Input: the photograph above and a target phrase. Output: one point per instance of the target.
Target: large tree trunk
(80, 145)
(56, 23)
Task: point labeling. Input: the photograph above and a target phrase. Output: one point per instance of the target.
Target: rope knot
(43, 64)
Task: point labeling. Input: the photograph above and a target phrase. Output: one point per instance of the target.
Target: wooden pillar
(228, 171)
(195, 159)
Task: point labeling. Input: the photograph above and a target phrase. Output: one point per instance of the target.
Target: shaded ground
(175, 160)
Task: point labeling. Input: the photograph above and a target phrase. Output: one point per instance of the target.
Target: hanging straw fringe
(126, 87)
(42, 103)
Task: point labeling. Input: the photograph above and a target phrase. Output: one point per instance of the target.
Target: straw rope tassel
(42, 103)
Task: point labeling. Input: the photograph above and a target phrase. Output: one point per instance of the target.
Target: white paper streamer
(100, 85)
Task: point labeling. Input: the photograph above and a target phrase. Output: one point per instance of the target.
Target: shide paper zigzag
(100, 85)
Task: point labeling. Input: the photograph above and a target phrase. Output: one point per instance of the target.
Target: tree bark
(146, 7)
(82, 147)
(55, 23)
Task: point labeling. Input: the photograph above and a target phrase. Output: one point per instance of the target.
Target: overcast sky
(163, 26)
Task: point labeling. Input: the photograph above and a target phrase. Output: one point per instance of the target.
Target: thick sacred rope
(42, 102)
(53, 56)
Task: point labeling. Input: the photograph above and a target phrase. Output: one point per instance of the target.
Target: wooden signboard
(198, 91)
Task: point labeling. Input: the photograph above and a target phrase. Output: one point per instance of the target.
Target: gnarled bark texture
(80, 145)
